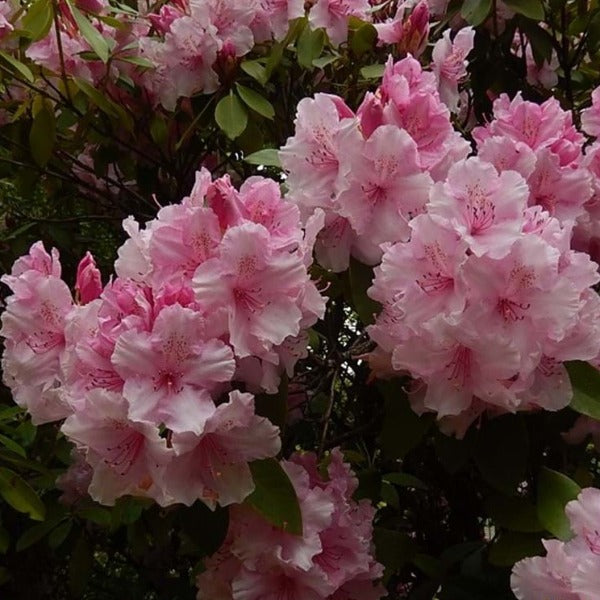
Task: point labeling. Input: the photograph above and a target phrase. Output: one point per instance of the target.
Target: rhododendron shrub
(299, 299)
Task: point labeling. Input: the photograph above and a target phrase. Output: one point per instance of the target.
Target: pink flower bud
(89, 281)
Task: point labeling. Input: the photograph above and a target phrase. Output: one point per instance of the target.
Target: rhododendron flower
(590, 117)
(333, 15)
(408, 32)
(88, 283)
(570, 570)
(33, 327)
(169, 372)
(386, 188)
(450, 65)
(212, 463)
(484, 208)
(127, 457)
(331, 557)
(258, 287)
(272, 19)
(312, 156)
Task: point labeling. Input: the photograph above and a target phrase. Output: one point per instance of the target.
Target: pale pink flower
(272, 18)
(258, 286)
(590, 117)
(450, 65)
(168, 373)
(570, 570)
(33, 327)
(407, 32)
(333, 16)
(127, 457)
(386, 189)
(312, 156)
(212, 464)
(333, 558)
(231, 19)
(485, 208)
(75, 481)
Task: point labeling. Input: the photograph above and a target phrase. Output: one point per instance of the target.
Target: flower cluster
(331, 560)
(570, 570)
(215, 290)
(483, 296)
(184, 47)
(371, 172)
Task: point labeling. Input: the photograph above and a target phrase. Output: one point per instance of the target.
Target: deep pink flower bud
(162, 21)
(89, 282)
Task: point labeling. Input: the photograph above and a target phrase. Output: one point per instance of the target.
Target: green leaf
(5, 575)
(541, 41)
(453, 454)
(475, 12)
(255, 69)
(42, 136)
(97, 97)
(363, 39)
(37, 21)
(268, 157)
(35, 534)
(309, 47)
(372, 71)
(402, 428)
(59, 535)
(138, 61)
(274, 496)
(514, 513)
(501, 450)
(18, 66)
(323, 61)
(80, 566)
(12, 445)
(20, 495)
(393, 549)
(512, 546)
(256, 101)
(361, 278)
(405, 480)
(96, 514)
(92, 36)
(532, 9)
(554, 491)
(4, 540)
(158, 129)
(585, 381)
(231, 116)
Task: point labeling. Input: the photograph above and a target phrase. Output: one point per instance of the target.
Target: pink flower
(127, 457)
(75, 481)
(166, 15)
(89, 282)
(212, 463)
(590, 117)
(312, 156)
(272, 18)
(258, 287)
(331, 559)
(33, 327)
(408, 33)
(333, 16)
(583, 428)
(450, 64)
(484, 208)
(571, 570)
(168, 373)
(386, 189)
